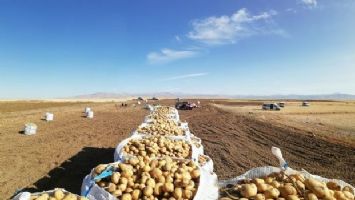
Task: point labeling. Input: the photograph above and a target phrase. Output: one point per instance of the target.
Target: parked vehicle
(281, 104)
(184, 105)
(305, 103)
(271, 106)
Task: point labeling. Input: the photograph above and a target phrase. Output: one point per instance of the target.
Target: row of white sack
(207, 189)
(196, 151)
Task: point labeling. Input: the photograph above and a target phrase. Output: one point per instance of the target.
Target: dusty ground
(330, 120)
(64, 151)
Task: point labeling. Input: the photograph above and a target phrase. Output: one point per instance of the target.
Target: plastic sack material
(30, 129)
(119, 155)
(49, 116)
(90, 114)
(27, 195)
(87, 109)
(207, 189)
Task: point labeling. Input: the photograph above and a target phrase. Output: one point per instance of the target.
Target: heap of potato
(164, 128)
(164, 110)
(165, 179)
(282, 187)
(158, 146)
(58, 194)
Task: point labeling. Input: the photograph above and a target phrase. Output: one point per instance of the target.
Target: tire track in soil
(237, 143)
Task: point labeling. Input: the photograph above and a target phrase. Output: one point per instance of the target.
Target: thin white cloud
(168, 55)
(185, 76)
(310, 3)
(229, 29)
(177, 38)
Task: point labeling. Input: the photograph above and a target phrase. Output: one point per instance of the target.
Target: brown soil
(237, 143)
(65, 150)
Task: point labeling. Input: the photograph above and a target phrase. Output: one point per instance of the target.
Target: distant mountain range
(170, 95)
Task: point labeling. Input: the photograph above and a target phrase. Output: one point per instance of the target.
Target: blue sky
(64, 48)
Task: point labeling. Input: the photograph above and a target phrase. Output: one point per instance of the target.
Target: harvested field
(64, 151)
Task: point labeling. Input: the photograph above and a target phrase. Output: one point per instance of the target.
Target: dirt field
(329, 120)
(64, 151)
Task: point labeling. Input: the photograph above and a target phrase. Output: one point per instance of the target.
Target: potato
(258, 181)
(275, 184)
(259, 197)
(318, 188)
(300, 185)
(262, 187)
(70, 197)
(117, 193)
(126, 196)
(287, 190)
(349, 189)
(268, 180)
(333, 186)
(44, 196)
(168, 187)
(178, 193)
(148, 191)
(100, 168)
(272, 193)
(292, 197)
(187, 194)
(311, 196)
(136, 194)
(248, 190)
(195, 174)
(58, 194)
(348, 195)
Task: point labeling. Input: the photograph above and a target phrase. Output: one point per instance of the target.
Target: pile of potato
(58, 194)
(164, 128)
(158, 146)
(157, 116)
(164, 110)
(282, 187)
(138, 178)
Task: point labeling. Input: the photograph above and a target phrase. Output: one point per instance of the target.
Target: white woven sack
(207, 190)
(119, 155)
(87, 109)
(90, 114)
(49, 116)
(30, 129)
